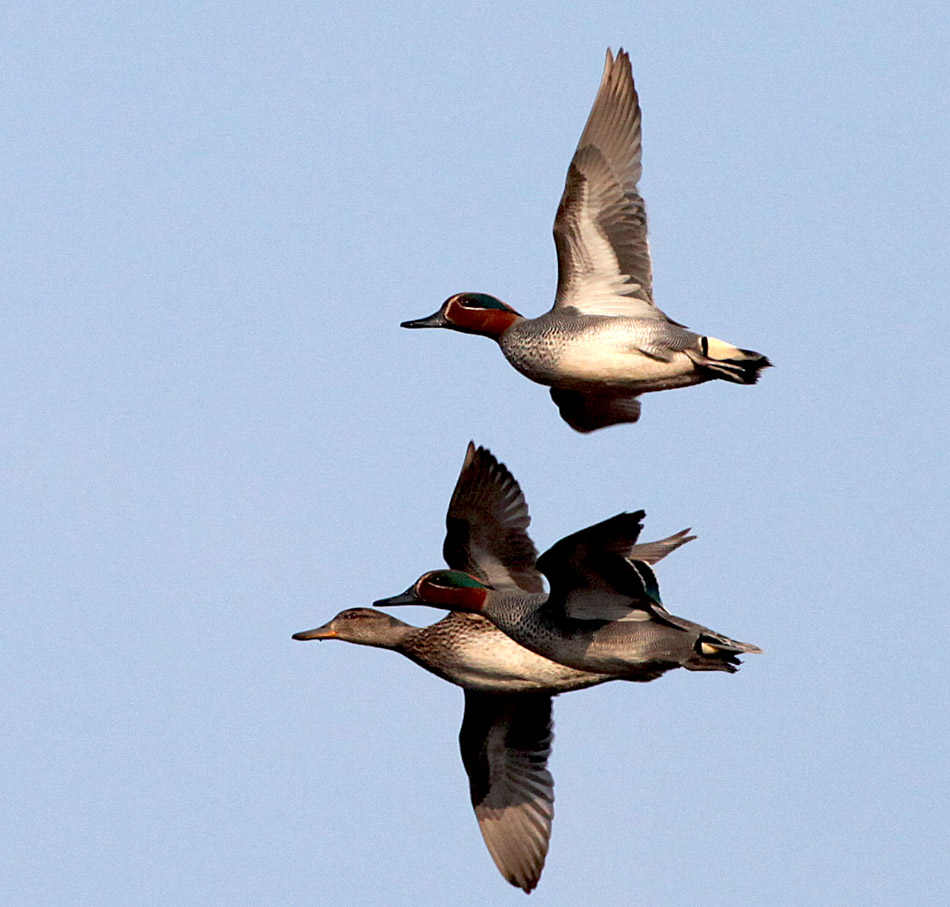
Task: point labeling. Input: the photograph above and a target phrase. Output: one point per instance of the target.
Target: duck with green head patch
(507, 728)
(605, 342)
(603, 612)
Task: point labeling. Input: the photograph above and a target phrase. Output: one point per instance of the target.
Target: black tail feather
(739, 371)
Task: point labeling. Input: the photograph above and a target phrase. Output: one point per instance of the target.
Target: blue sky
(215, 435)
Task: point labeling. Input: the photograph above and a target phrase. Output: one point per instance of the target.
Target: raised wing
(487, 525)
(594, 575)
(600, 230)
(505, 742)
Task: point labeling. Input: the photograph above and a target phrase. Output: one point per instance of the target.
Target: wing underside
(505, 742)
(600, 230)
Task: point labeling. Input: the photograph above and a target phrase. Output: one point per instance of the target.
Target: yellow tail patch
(719, 349)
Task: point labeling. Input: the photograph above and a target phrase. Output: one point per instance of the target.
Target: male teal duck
(603, 613)
(605, 341)
(507, 727)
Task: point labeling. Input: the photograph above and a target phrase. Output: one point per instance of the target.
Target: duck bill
(318, 633)
(438, 320)
(404, 598)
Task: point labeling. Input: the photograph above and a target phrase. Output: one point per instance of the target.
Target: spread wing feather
(600, 230)
(505, 742)
(487, 525)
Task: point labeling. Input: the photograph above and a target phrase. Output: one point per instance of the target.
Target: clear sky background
(215, 434)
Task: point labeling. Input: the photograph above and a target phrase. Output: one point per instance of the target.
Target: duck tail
(713, 652)
(728, 362)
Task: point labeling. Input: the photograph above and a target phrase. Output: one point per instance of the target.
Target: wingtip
(483, 455)
(619, 61)
(480, 456)
(614, 65)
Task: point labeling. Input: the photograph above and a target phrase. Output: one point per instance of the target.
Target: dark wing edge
(505, 742)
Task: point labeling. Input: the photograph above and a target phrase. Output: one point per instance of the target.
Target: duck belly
(494, 663)
(609, 353)
(617, 365)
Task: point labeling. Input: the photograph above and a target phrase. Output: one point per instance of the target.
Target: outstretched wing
(487, 525)
(505, 742)
(600, 230)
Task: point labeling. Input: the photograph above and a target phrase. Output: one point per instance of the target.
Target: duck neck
(515, 615)
(396, 636)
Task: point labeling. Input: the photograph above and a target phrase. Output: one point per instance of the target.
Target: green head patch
(481, 301)
(454, 579)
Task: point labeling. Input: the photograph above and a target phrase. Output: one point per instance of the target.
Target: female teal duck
(604, 342)
(603, 613)
(507, 727)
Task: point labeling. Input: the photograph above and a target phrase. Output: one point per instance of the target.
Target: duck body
(605, 341)
(641, 645)
(471, 652)
(465, 649)
(597, 353)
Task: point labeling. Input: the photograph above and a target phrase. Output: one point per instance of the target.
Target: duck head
(470, 313)
(363, 626)
(453, 590)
